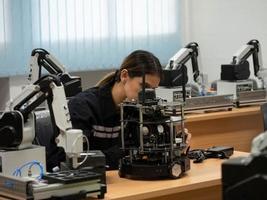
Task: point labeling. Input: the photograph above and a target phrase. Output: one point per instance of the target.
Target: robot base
(142, 170)
(10, 160)
(96, 163)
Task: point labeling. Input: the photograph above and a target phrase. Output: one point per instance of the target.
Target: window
(86, 34)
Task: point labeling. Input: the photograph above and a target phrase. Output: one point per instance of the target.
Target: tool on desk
(199, 155)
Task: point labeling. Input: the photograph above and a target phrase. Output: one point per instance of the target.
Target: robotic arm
(17, 125)
(239, 67)
(190, 51)
(173, 84)
(41, 58)
(251, 48)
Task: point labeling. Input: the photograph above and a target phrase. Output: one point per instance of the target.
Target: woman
(96, 110)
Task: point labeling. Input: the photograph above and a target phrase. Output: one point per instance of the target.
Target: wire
(40, 167)
(198, 155)
(87, 150)
(17, 172)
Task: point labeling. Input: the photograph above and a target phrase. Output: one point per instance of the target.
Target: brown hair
(135, 63)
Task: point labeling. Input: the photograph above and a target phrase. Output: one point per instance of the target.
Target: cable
(40, 167)
(17, 172)
(87, 151)
(198, 155)
(213, 152)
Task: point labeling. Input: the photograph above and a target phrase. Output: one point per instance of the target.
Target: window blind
(86, 34)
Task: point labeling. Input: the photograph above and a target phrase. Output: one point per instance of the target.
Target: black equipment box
(95, 162)
(72, 85)
(220, 152)
(234, 72)
(173, 78)
(245, 178)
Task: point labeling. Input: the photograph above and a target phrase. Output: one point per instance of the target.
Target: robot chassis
(152, 145)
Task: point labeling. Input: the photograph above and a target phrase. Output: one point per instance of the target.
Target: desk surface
(202, 175)
(235, 112)
(235, 128)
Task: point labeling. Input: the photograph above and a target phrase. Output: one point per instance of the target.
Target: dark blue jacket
(95, 112)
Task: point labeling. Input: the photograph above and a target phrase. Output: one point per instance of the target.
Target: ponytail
(106, 79)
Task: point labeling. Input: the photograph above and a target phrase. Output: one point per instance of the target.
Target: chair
(264, 115)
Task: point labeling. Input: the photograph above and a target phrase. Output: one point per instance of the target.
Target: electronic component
(173, 94)
(151, 143)
(12, 160)
(15, 186)
(225, 87)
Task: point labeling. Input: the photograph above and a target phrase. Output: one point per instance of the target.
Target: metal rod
(141, 129)
(183, 82)
(122, 127)
(143, 85)
(182, 123)
(171, 139)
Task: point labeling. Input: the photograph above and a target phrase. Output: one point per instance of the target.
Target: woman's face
(133, 86)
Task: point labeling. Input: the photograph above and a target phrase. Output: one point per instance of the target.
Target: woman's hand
(188, 137)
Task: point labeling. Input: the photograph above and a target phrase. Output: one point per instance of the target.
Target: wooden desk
(203, 181)
(234, 128)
